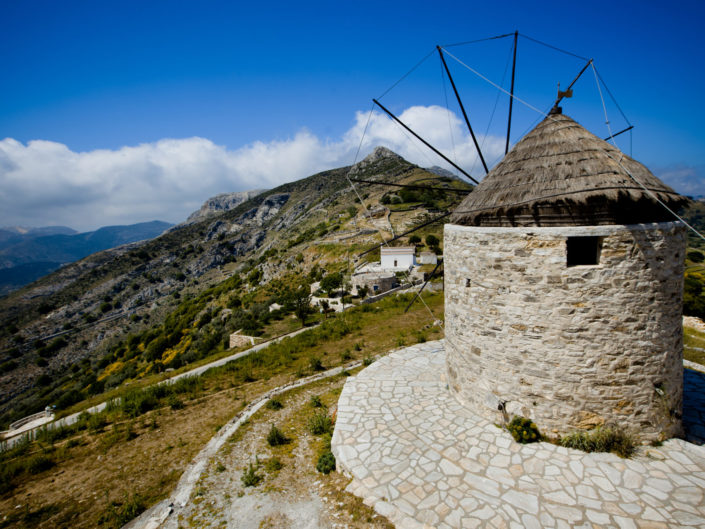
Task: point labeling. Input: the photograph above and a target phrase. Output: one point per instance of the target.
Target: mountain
(26, 255)
(120, 313)
(440, 171)
(10, 235)
(222, 202)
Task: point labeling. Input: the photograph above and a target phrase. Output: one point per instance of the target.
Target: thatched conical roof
(560, 174)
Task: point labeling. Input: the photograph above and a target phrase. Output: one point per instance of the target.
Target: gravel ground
(295, 496)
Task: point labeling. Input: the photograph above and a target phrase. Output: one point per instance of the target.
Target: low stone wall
(569, 347)
(30, 418)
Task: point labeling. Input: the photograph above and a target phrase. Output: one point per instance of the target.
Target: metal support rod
(424, 286)
(412, 230)
(439, 153)
(408, 186)
(462, 108)
(618, 133)
(562, 94)
(511, 92)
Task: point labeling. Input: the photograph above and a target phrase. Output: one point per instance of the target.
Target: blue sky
(118, 112)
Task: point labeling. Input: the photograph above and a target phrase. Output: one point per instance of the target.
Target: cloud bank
(45, 183)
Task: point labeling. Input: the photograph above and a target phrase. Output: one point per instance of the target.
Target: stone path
(422, 460)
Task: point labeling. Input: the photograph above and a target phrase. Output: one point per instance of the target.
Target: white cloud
(684, 179)
(45, 183)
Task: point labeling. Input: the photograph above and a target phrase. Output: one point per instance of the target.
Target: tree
(302, 304)
(331, 282)
(432, 240)
(254, 277)
(414, 239)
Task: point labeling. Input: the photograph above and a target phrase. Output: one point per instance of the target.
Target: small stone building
(376, 282)
(563, 286)
(428, 258)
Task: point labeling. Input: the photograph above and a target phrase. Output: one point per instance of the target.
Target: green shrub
(316, 401)
(275, 437)
(315, 364)
(175, 402)
(524, 430)
(118, 514)
(326, 463)
(695, 256)
(39, 463)
(273, 465)
(320, 424)
(275, 404)
(250, 478)
(601, 440)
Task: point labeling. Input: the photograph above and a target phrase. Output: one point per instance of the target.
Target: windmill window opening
(583, 250)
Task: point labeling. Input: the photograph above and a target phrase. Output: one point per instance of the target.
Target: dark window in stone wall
(583, 250)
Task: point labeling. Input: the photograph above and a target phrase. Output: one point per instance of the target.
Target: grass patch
(601, 440)
(276, 437)
(274, 404)
(694, 345)
(250, 478)
(320, 424)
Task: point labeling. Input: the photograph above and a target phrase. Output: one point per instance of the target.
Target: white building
(399, 258)
(428, 258)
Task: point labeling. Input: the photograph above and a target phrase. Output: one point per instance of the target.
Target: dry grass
(694, 345)
(81, 487)
(98, 474)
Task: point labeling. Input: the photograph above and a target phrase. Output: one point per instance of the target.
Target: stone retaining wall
(570, 347)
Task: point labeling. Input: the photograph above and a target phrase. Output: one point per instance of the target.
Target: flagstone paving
(423, 460)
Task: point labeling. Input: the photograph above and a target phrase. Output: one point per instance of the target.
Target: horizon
(117, 114)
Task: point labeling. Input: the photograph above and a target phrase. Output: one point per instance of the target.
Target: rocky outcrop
(220, 203)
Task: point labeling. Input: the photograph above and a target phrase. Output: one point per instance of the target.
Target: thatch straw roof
(561, 174)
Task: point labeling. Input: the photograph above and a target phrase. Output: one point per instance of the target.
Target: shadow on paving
(694, 406)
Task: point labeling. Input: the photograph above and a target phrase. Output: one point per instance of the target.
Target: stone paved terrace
(422, 460)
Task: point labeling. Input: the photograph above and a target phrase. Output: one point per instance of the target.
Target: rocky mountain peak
(380, 155)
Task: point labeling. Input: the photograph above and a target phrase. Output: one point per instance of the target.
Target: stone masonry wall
(569, 347)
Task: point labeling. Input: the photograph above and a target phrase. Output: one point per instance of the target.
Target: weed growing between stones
(250, 478)
(275, 437)
(524, 430)
(601, 440)
(273, 464)
(316, 401)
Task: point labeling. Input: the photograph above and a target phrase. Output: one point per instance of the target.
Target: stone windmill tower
(564, 289)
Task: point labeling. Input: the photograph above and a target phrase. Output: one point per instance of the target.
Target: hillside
(27, 256)
(132, 311)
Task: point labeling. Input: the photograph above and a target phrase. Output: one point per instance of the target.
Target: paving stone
(402, 436)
